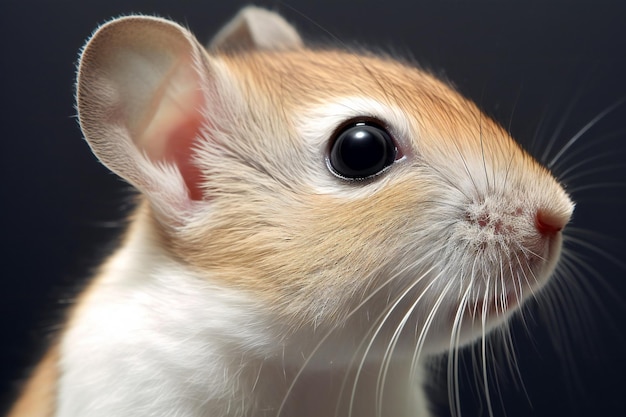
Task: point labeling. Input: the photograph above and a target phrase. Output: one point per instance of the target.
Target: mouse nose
(550, 223)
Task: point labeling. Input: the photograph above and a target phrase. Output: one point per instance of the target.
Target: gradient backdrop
(542, 68)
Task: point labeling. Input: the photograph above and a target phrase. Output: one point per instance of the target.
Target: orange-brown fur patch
(448, 124)
(38, 397)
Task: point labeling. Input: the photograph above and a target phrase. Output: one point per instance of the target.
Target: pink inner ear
(179, 150)
(173, 121)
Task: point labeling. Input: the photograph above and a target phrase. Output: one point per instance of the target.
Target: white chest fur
(150, 338)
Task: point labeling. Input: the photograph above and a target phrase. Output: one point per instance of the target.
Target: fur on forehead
(288, 91)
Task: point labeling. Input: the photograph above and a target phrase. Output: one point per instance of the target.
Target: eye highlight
(361, 150)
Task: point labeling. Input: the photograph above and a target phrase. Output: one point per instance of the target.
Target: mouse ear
(256, 28)
(141, 97)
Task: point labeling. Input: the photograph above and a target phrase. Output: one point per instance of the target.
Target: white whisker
(586, 149)
(326, 336)
(453, 355)
(575, 167)
(390, 311)
(583, 130)
(392, 345)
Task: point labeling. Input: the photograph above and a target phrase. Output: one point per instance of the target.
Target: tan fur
(38, 395)
(298, 78)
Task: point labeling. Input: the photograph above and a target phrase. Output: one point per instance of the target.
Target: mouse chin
(486, 310)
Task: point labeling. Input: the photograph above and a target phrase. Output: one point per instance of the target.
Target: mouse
(314, 225)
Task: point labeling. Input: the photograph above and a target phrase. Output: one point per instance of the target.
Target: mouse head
(327, 184)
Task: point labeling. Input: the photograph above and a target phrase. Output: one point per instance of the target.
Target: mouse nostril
(548, 224)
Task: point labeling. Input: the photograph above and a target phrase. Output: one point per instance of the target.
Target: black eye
(362, 150)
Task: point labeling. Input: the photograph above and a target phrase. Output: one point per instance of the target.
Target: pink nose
(549, 224)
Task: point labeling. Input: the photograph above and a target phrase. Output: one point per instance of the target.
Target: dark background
(542, 68)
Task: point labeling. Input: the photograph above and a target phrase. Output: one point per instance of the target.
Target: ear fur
(148, 93)
(140, 95)
(256, 28)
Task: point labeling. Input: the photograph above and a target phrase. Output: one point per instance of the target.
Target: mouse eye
(361, 150)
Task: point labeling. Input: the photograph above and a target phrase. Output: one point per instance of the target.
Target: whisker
(559, 128)
(597, 170)
(390, 311)
(466, 167)
(508, 170)
(377, 322)
(392, 345)
(567, 291)
(587, 289)
(513, 110)
(483, 344)
(592, 234)
(325, 337)
(504, 289)
(587, 149)
(358, 349)
(525, 276)
(448, 181)
(482, 147)
(426, 327)
(495, 377)
(559, 318)
(513, 364)
(575, 167)
(583, 130)
(454, 395)
(595, 249)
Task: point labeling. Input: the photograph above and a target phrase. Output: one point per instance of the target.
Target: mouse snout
(549, 223)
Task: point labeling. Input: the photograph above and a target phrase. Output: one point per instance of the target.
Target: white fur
(153, 339)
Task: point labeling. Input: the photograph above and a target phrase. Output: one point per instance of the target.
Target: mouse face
(337, 189)
(459, 222)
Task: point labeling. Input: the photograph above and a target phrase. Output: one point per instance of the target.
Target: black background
(542, 68)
